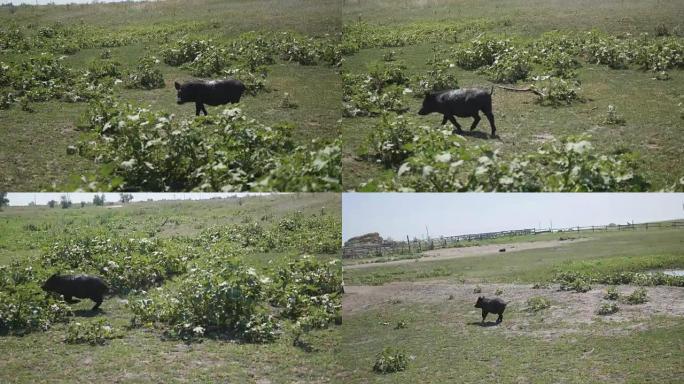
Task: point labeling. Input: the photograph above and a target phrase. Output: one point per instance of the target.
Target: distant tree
(52, 203)
(64, 202)
(126, 197)
(4, 201)
(99, 200)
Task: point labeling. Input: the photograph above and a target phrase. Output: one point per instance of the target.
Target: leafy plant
(537, 303)
(389, 361)
(608, 309)
(612, 294)
(612, 117)
(146, 76)
(25, 308)
(148, 150)
(638, 296)
(96, 332)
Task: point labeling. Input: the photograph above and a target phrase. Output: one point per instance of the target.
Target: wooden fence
(416, 245)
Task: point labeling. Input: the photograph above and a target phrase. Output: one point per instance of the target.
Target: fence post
(408, 242)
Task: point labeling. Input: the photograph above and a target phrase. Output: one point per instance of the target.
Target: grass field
(145, 354)
(425, 310)
(652, 110)
(34, 144)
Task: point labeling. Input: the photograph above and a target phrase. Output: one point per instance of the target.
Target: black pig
(465, 102)
(494, 305)
(81, 286)
(215, 92)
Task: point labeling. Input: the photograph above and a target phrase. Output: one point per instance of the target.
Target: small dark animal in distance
(81, 286)
(464, 102)
(494, 305)
(502, 250)
(214, 92)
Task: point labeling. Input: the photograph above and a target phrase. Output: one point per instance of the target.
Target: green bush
(637, 297)
(570, 281)
(224, 297)
(124, 263)
(510, 66)
(96, 332)
(146, 75)
(389, 361)
(480, 52)
(612, 294)
(387, 141)
(308, 291)
(607, 309)
(537, 303)
(612, 117)
(26, 308)
(556, 91)
(438, 78)
(436, 160)
(145, 150)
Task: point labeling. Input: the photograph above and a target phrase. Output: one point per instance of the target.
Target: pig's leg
(500, 318)
(98, 301)
(204, 110)
(476, 121)
(71, 300)
(198, 108)
(455, 123)
(484, 315)
(490, 117)
(445, 119)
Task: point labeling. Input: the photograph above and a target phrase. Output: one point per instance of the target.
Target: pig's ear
(175, 84)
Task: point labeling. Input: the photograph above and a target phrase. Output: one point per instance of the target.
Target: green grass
(449, 346)
(650, 107)
(606, 252)
(34, 144)
(445, 342)
(144, 355)
(180, 218)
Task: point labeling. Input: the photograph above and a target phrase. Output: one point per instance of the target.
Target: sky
(20, 199)
(396, 215)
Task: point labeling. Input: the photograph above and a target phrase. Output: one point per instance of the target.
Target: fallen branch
(528, 89)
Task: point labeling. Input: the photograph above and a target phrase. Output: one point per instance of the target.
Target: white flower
(443, 157)
(427, 170)
(403, 169)
(129, 164)
(198, 330)
(579, 147)
(133, 117)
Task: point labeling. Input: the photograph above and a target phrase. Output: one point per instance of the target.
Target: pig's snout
(422, 112)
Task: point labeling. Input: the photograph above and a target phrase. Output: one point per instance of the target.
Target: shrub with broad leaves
(607, 309)
(146, 75)
(94, 332)
(390, 360)
(146, 150)
(429, 159)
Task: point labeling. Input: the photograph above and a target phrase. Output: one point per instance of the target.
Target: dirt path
(481, 250)
(569, 311)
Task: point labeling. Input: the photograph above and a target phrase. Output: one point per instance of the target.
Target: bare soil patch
(570, 312)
